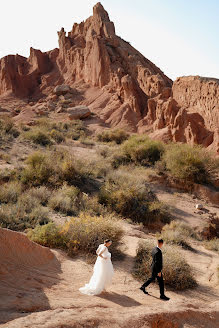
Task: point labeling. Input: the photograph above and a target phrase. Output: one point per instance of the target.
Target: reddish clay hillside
(116, 82)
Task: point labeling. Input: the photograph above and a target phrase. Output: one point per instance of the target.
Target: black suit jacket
(157, 262)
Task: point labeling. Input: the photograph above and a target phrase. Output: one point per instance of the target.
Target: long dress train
(102, 273)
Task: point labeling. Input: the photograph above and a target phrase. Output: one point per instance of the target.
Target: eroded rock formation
(117, 83)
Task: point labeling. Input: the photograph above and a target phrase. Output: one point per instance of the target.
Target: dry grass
(65, 200)
(177, 233)
(142, 150)
(131, 198)
(190, 164)
(46, 132)
(81, 234)
(113, 135)
(9, 192)
(212, 244)
(177, 272)
(52, 168)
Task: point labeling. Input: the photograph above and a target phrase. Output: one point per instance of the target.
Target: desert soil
(47, 295)
(40, 289)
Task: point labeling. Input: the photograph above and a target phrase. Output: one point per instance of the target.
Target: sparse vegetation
(177, 272)
(57, 136)
(37, 136)
(49, 235)
(142, 150)
(9, 192)
(8, 130)
(21, 216)
(212, 244)
(81, 234)
(131, 198)
(113, 135)
(52, 168)
(65, 200)
(190, 164)
(177, 233)
(45, 132)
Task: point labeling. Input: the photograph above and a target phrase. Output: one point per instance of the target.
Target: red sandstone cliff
(117, 83)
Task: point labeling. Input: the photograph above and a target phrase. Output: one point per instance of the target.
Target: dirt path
(50, 298)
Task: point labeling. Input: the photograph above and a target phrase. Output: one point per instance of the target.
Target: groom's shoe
(164, 297)
(143, 290)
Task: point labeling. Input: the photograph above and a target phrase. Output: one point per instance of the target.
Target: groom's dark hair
(160, 241)
(106, 241)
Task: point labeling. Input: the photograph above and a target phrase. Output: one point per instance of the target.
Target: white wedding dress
(102, 273)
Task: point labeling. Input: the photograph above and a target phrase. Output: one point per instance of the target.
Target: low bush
(142, 150)
(127, 196)
(49, 235)
(86, 232)
(38, 136)
(8, 130)
(38, 171)
(42, 194)
(5, 157)
(177, 272)
(10, 191)
(45, 131)
(20, 216)
(190, 164)
(65, 200)
(116, 135)
(177, 233)
(57, 136)
(52, 168)
(212, 244)
(81, 234)
(91, 206)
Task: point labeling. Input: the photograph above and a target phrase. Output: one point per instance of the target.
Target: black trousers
(159, 279)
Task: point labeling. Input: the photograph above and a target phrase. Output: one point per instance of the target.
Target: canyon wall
(121, 86)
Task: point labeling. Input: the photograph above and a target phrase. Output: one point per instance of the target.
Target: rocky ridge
(118, 84)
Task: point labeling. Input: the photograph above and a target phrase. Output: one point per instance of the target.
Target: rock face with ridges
(118, 84)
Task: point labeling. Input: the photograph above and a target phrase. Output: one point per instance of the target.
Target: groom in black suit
(156, 268)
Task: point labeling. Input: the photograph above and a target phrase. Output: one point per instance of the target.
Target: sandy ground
(34, 295)
(48, 296)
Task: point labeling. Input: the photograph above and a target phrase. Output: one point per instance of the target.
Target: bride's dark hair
(106, 241)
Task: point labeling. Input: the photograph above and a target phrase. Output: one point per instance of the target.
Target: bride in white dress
(102, 272)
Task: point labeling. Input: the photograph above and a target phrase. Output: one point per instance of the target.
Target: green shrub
(176, 271)
(57, 136)
(138, 150)
(46, 130)
(52, 168)
(91, 206)
(38, 171)
(38, 136)
(49, 235)
(190, 164)
(127, 196)
(8, 130)
(177, 233)
(116, 135)
(142, 150)
(86, 232)
(10, 191)
(212, 244)
(80, 234)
